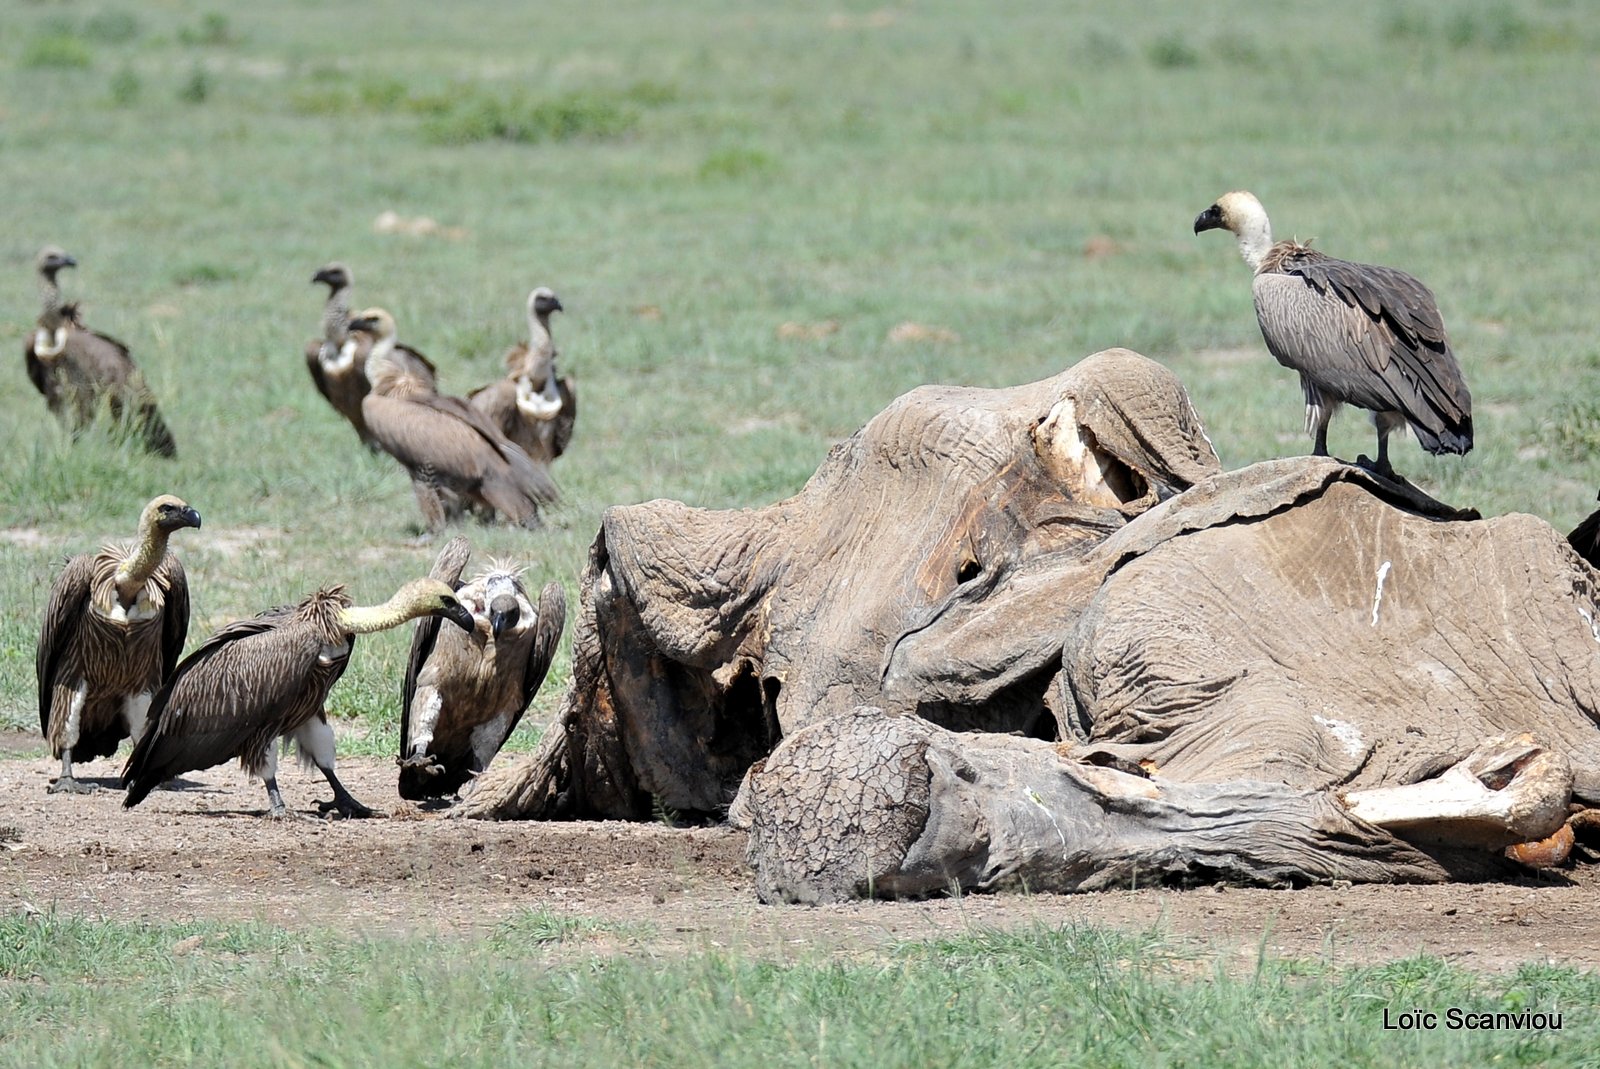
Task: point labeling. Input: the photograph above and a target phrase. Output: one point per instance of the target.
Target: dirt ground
(204, 851)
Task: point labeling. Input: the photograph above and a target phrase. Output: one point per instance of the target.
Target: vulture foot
(68, 785)
(427, 762)
(346, 807)
(1381, 468)
(282, 812)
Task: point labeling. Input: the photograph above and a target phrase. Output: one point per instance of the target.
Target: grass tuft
(736, 162)
(59, 50)
(477, 114)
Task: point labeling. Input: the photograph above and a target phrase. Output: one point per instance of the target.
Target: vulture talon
(68, 785)
(348, 808)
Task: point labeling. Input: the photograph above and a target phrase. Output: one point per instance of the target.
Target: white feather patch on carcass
(1348, 735)
(1377, 596)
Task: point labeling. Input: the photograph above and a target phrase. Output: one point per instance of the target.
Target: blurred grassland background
(1020, 179)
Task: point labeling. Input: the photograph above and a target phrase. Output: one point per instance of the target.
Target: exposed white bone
(1464, 806)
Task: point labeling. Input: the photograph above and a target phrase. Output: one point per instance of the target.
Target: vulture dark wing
(69, 600)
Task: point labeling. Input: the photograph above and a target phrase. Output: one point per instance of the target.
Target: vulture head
(1241, 214)
(504, 612)
(51, 259)
(543, 301)
(335, 276)
(376, 322)
(167, 513)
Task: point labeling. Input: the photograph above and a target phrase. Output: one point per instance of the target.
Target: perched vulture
(466, 691)
(267, 678)
(1361, 335)
(447, 446)
(113, 629)
(78, 369)
(533, 405)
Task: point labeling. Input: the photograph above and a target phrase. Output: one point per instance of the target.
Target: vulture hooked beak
(457, 614)
(504, 612)
(1210, 219)
(366, 323)
(184, 517)
(327, 278)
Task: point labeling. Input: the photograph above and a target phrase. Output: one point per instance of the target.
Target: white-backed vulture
(445, 444)
(113, 629)
(339, 377)
(1357, 334)
(78, 370)
(534, 405)
(266, 678)
(465, 692)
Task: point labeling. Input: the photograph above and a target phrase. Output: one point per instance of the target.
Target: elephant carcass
(704, 636)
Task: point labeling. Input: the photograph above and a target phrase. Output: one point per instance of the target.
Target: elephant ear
(695, 577)
(1124, 433)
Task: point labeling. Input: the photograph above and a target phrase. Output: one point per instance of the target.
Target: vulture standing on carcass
(113, 629)
(466, 691)
(1358, 334)
(447, 446)
(533, 405)
(78, 369)
(266, 678)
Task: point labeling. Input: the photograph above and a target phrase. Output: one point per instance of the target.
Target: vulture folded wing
(414, 363)
(1372, 335)
(447, 567)
(239, 684)
(174, 617)
(318, 376)
(447, 437)
(566, 419)
(552, 618)
(69, 600)
(38, 374)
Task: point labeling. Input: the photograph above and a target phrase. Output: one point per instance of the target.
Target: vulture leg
(1386, 423)
(343, 802)
(431, 504)
(315, 742)
(66, 784)
(276, 810)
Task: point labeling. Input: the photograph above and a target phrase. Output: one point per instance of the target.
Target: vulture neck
(140, 564)
(50, 299)
(363, 620)
(335, 320)
(1255, 238)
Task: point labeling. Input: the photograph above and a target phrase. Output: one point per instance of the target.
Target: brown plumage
(534, 405)
(465, 692)
(1357, 334)
(79, 370)
(445, 444)
(113, 629)
(266, 678)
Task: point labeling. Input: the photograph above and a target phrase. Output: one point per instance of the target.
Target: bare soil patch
(205, 851)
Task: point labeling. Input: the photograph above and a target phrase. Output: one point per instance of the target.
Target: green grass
(737, 166)
(78, 992)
